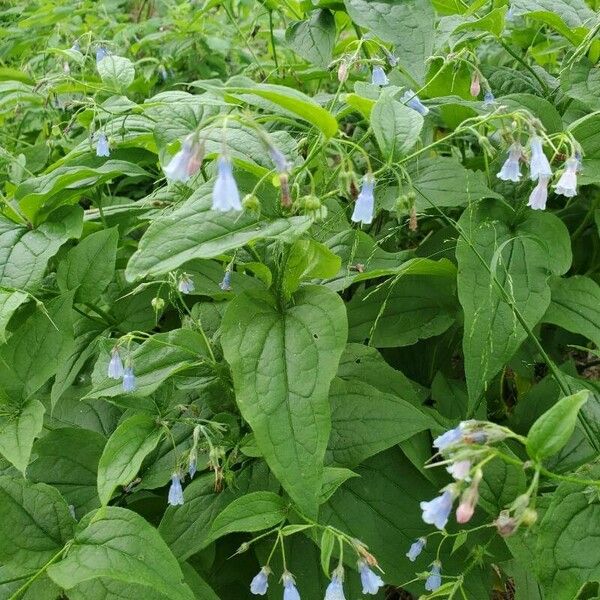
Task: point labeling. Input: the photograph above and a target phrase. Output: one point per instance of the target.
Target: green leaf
(327, 543)
(574, 306)
(403, 310)
(37, 348)
(118, 544)
(567, 552)
(25, 252)
(64, 185)
(409, 25)
(582, 82)
(313, 39)
(365, 421)
(195, 231)
(158, 358)
(89, 267)
(9, 302)
(333, 477)
(35, 524)
(396, 127)
(587, 132)
(253, 512)
(308, 259)
(124, 452)
(521, 261)
(18, 428)
(291, 100)
(282, 360)
(67, 458)
(186, 528)
(553, 429)
(443, 181)
(501, 484)
(116, 71)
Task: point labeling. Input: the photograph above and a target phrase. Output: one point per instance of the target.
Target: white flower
(538, 165)
(365, 203)
(510, 169)
(225, 196)
(539, 194)
(460, 469)
(567, 184)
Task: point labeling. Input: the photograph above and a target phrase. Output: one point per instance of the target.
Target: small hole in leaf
(315, 336)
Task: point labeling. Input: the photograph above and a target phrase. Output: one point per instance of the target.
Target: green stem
(40, 572)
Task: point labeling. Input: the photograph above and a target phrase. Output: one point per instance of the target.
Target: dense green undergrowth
(299, 299)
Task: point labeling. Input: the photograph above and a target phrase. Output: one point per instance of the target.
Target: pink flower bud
(343, 72)
(464, 512)
(475, 85)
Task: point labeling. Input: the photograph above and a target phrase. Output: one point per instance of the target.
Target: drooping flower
(448, 438)
(163, 73)
(192, 464)
(187, 161)
(342, 71)
(186, 284)
(225, 285)
(459, 469)
(260, 582)
(413, 101)
(378, 76)
(290, 591)
(510, 169)
(391, 57)
(475, 85)
(539, 194)
(416, 548)
(567, 184)
(102, 148)
(488, 99)
(365, 203)
(434, 581)
(129, 383)
(101, 53)
(115, 365)
(538, 165)
(175, 491)
(335, 589)
(371, 582)
(437, 511)
(279, 160)
(76, 46)
(225, 196)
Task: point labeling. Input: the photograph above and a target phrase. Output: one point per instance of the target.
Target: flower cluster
(116, 370)
(539, 171)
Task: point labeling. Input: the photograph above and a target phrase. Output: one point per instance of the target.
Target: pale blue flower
(416, 548)
(163, 73)
(260, 583)
(225, 285)
(365, 203)
(279, 160)
(488, 99)
(538, 165)
(76, 47)
(335, 589)
(434, 581)
(115, 365)
(290, 592)
(371, 582)
(539, 194)
(101, 53)
(437, 511)
(412, 101)
(185, 162)
(378, 77)
(102, 148)
(460, 469)
(129, 384)
(567, 184)
(225, 196)
(510, 169)
(175, 491)
(186, 285)
(448, 438)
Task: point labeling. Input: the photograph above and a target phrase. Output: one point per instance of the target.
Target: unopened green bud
(529, 516)
(251, 202)
(157, 304)
(311, 202)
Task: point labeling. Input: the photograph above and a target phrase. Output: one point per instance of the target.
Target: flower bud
(251, 203)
